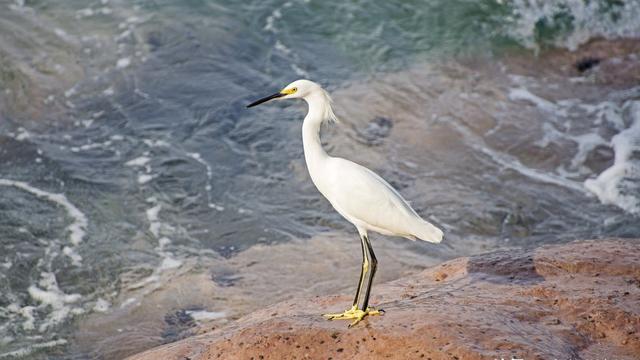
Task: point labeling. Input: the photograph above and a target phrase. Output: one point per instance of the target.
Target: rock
(609, 62)
(579, 300)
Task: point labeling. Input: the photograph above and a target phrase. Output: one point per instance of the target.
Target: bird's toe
(354, 314)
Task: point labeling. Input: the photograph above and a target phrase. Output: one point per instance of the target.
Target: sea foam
(586, 19)
(616, 184)
(77, 228)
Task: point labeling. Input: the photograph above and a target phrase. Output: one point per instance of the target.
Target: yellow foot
(354, 314)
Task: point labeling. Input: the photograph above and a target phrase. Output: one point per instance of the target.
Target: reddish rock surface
(573, 301)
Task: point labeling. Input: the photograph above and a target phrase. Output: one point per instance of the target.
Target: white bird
(357, 193)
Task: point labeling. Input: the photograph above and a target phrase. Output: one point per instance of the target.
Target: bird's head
(299, 89)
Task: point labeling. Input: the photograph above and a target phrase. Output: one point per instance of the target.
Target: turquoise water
(131, 168)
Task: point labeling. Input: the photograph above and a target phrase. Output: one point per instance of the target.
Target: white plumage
(357, 193)
(369, 202)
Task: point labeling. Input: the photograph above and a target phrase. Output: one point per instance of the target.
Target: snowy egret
(357, 193)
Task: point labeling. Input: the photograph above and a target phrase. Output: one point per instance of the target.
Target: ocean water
(141, 201)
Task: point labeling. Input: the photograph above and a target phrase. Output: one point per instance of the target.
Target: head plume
(318, 99)
(329, 116)
(313, 93)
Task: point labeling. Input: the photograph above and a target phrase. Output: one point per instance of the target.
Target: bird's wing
(359, 193)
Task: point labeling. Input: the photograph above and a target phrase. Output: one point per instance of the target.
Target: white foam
(134, 20)
(76, 259)
(588, 20)
(128, 302)
(22, 135)
(541, 103)
(90, 146)
(144, 282)
(139, 161)
(169, 262)
(271, 19)
(49, 295)
(281, 47)
(71, 91)
(77, 228)
(156, 143)
(196, 156)
(105, 10)
(216, 206)
(123, 63)
(618, 185)
(95, 145)
(203, 315)
(125, 34)
(152, 217)
(513, 163)
(6, 340)
(86, 12)
(101, 305)
(586, 143)
(270, 26)
(145, 178)
(163, 242)
(549, 135)
(31, 348)
(27, 314)
(156, 227)
(605, 112)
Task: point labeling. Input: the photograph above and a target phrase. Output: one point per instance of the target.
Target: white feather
(357, 193)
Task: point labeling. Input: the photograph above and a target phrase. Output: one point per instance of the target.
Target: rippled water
(140, 198)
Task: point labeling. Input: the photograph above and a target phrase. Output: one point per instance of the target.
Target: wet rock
(586, 64)
(178, 323)
(225, 277)
(609, 62)
(579, 300)
(377, 129)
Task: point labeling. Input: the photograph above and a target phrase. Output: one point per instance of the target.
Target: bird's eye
(294, 89)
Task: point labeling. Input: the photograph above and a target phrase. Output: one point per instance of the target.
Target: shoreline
(580, 299)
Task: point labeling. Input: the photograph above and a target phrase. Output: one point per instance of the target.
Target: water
(141, 199)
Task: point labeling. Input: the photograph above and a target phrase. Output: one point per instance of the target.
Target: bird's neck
(319, 111)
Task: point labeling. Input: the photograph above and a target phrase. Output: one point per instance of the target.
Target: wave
(620, 183)
(78, 227)
(570, 23)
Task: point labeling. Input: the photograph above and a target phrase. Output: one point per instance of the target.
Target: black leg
(362, 271)
(373, 263)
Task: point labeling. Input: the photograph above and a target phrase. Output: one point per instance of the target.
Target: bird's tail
(427, 232)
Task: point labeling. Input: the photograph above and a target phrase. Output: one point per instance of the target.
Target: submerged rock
(573, 301)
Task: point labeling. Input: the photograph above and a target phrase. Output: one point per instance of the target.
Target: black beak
(265, 99)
